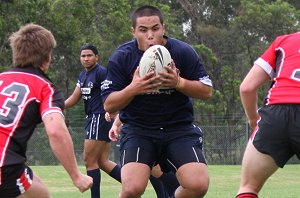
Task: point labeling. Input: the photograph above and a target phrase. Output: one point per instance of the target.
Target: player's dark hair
(146, 10)
(88, 46)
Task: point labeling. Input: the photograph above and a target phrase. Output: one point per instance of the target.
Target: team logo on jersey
(85, 91)
(90, 84)
(105, 84)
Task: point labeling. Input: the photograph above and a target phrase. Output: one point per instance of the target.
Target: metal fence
(222, 145)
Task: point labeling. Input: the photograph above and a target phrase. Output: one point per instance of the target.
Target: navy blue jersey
(167, 109)
(90, 86)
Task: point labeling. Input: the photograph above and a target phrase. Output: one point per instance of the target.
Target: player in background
(157, 125)
(275, 138)
(28, 97)
(97, 143)
(164, 184)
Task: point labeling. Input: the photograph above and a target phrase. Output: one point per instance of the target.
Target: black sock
(170, 182)
(95, 189)
(116, 173)
(158, 187)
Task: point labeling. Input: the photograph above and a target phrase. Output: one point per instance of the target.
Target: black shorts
(15, 180)
(170, 149)
(278, 132)
(97, 128)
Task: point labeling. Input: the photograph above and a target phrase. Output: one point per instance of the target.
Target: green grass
(224, 183)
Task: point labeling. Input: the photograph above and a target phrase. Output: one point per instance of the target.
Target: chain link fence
(222, 145)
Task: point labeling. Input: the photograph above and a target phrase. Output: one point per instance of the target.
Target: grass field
(224, 182)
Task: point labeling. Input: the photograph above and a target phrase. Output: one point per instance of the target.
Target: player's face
(148, 31)
(88, 59)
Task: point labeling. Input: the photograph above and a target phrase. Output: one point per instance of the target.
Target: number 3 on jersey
(12, 98)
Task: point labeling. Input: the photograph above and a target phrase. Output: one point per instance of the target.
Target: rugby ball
(154, 59)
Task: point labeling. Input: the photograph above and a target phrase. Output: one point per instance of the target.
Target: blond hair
(32, 44)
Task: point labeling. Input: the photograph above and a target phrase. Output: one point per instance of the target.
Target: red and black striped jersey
(26, 95)
(282, 62)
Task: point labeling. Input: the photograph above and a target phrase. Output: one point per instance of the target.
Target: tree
(228, 36)
(237, 32)
(13, 14)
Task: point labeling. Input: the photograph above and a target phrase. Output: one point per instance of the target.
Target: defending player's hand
(83, 182)
(110, 116)
(114, 133)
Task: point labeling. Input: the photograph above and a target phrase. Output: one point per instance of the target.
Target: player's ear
(97, 57)
(133, 31)
(45, 66)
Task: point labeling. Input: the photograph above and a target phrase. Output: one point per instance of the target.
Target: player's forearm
(61, 143)
(117, 121)
(194, 89)
(249, 101)
(71, 101)
(118, 100)
(63, 149)
(248, 91)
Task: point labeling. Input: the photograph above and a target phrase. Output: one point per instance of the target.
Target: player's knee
(106, 165)
(201, 191)
(132, 191)
(86, 161)
(199, 188)
(90, 164)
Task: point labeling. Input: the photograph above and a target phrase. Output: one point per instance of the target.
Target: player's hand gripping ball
(154, 59)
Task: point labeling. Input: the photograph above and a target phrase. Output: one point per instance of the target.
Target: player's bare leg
(135, 178)
(256, 169)
(91, 156)
(36, 190)
(103, 157)
(105, 163)
(194, 180)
